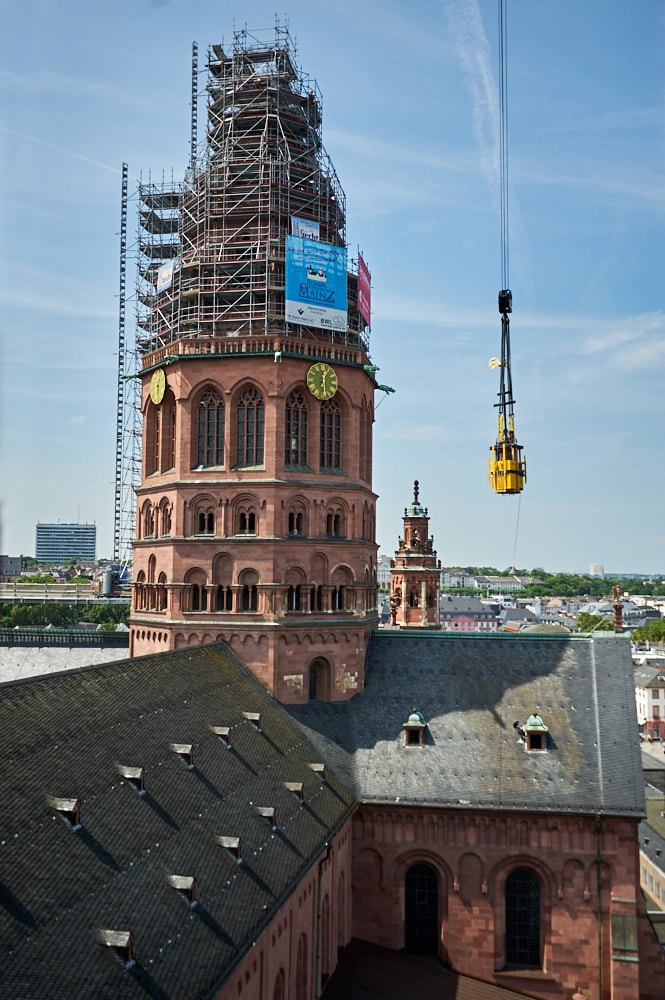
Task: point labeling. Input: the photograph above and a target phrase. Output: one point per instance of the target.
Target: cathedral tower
(256, 516)
(415, 574)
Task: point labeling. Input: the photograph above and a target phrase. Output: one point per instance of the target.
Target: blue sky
(410, 122)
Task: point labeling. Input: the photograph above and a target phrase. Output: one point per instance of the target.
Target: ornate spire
(416, 493)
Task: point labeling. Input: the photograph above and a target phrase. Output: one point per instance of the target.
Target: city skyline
(409, 120)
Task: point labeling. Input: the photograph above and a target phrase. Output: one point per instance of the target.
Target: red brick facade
(299, 950)
(280, 563)
(592, 915)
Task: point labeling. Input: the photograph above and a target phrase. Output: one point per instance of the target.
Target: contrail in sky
(59, 149)
(468, 35)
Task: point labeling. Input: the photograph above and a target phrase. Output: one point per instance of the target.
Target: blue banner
(316, 292)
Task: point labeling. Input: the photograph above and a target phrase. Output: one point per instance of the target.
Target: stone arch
(248, 428)
(165, 516)
(320, 679)
(208, 425)
(336, 517)
(203, 509)
(248, 580)
(470, 876)
(196, 595)
(245, 514)
(297, 516)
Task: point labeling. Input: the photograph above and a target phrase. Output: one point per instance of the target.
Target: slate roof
(471, 689)
(63, 736)
(648, 677)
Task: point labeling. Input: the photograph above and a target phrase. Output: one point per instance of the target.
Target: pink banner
(364, 291)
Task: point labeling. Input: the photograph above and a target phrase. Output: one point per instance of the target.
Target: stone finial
(416, 492)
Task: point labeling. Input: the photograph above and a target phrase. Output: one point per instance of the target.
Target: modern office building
(61, 542)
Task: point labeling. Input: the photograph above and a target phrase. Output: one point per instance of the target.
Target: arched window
(325, 940)
(250, 597)
(523, 919)
(296, 522)
(206, 523)
(224, 598)
(199, 597)
(293, 598)
(165, 518)
(335, 523)
(251, 419)
(210, 446)
(331, 435)
(301, 969)
(247, 522)
(421, 911)
(148, 521)
(295, 430)
(337, 599)
(319, 681)
(278, 992)
(167, 415)
(413, 598)
(162, 596)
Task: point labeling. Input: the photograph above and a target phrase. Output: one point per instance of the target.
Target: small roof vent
(533, 733)
(184, 750)
(69, 809)
(223, 733)
(232, 845)
(254, 718)
(122, 943)
(185, 885)
(297, 788)
(134, 775)
(319, 770)
(414, 729)
(267, 812)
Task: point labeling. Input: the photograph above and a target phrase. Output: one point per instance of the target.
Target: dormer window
(535, 734)
(414, 729)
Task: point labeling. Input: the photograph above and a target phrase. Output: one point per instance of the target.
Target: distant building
(650, 699)
(10, 567)
(596, 569)
(61, 542)
(383, 571)
(468, 614)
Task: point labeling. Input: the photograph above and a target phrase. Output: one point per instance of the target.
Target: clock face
(322, 380)
(157, 386)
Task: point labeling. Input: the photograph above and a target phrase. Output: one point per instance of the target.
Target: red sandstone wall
(327, 889)
(472, 854)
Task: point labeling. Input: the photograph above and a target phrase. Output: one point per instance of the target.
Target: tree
(594, 623)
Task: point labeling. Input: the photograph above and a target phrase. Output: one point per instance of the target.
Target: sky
(410, 121)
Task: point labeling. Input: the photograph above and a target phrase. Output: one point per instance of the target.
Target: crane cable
(503, 139)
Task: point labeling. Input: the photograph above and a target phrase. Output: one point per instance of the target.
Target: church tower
(415, 574)
(256, 516)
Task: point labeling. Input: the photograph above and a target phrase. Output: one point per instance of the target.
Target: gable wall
(587, 873)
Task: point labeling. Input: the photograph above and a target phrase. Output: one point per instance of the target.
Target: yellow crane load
(507, 465)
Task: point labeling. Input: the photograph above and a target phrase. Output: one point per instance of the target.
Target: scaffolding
(211, 250)
(128, 429)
